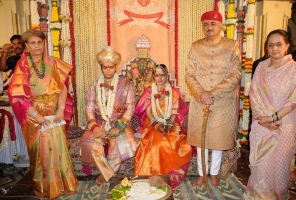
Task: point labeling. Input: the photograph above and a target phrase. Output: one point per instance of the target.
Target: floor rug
(88, 190)
(10, 175)
(229, 189)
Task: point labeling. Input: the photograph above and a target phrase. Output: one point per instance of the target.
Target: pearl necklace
(166, 113)
(106, 109)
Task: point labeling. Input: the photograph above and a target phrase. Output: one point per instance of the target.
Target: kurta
(271, 151)
(215, 68)
(160, 154)
(53, 173)
(123, 108)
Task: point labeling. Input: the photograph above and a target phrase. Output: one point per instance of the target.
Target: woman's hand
(99, 132)
(273, 127)
(114, 131)
(266, 121)
(60, 114)
(40, 119)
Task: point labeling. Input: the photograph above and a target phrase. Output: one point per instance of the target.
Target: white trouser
(215, 164)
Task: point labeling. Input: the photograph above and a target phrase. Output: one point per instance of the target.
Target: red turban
(212, 15)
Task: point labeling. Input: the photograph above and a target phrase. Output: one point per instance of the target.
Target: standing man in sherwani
(213, 72)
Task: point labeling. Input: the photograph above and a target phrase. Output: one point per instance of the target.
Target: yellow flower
(230, 13)
(251, 1)
(54, 12)
(36, 26)
(230, 31)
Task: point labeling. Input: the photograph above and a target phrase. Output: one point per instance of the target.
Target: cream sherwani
(215, 68)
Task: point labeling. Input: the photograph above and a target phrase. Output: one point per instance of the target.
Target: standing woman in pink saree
(273, 130)
(37, 92)
(162, 110)
(109, 108)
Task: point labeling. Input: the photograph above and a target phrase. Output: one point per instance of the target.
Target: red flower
(167, 93)
(157, 96)
(102, 85)
(111, 87)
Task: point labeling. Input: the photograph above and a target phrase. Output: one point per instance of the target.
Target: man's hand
(99, 132)
(207, 98)
(7, 47)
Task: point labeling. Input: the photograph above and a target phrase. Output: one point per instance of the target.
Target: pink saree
(271, 151)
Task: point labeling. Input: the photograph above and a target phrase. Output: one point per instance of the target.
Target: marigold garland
(230, 21)
(55, 28)
(247, 61)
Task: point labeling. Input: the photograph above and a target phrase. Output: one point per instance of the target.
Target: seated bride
(161, 110)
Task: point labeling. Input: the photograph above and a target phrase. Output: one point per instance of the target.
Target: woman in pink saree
(109, 108)
(273, 130)
(37, 91)
(161, 110)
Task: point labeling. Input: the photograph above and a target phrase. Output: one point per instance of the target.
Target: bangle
(272, 118)
(62, 107)
(93, 127)
(33, 114)
(277, 117)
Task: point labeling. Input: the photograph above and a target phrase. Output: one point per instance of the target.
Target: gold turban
(108, 55)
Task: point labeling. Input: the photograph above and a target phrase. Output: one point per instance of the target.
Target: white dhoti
(215, 164)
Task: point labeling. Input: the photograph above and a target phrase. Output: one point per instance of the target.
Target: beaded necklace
(38, 73)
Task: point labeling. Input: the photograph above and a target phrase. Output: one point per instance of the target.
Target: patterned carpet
(88, 189)
(10, 175)
(230, 188)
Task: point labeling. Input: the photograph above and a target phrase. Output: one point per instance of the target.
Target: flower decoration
(108, 87)
(157, 96)
(167, 93)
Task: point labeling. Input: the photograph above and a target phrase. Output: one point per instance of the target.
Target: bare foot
(215, 181)
(100, 180)
(199, 181)
(292, 176)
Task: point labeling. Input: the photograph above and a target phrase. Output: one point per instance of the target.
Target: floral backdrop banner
(129, 19)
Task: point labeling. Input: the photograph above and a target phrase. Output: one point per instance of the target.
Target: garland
(6, 128)
(231, 20)
(221, 9)
(247, 61)
(168, 95)
(55, 28)
(65, 40)
(187, 35)
(34, 15)
(106, 105)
